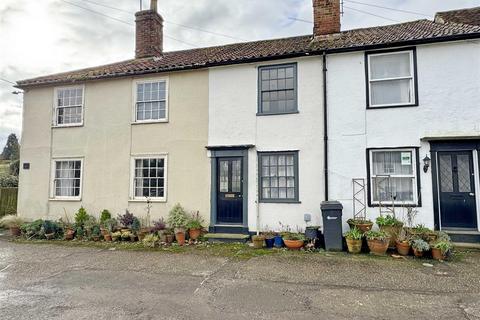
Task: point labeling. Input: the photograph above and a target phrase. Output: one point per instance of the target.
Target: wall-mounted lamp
(426, 163)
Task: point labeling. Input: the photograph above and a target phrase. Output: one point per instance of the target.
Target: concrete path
(56, 282)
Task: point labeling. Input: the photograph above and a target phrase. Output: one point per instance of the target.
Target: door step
(223, 228)
(464, 237)
(227, 237)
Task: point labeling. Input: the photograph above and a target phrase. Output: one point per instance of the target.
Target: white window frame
(412, 77)
(135, 102)
(56, 107)
(163, 156)
(414, 175)
(53, 196)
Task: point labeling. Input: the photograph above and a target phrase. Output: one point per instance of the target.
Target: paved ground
(56, 282)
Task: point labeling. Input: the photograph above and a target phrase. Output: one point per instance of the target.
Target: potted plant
(126, 220)
(150, 240)
(377, 242)
(136, 226)
(126, 235)
(81, 217)
(13, 222)
(79, 233)
(109, 226)
(441, 249)
(390, 225)
(169, 236)
(159, 227)
(49, 229)
(89, 224)
(258, 241)
(363, 224)
(177, 219)
(419, 247)
(354, 239)
(294, 241)
(403, 244)
(104, 216)
(96, 232)
(195, 226)
(116, 236)
(269, 238)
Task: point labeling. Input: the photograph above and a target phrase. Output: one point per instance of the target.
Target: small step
(465, 236)
(227, 237)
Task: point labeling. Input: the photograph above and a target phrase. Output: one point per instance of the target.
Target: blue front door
(229, 190)
(457, 190)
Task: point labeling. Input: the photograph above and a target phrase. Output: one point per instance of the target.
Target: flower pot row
(292, 241)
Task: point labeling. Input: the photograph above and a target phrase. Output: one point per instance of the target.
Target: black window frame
(260, 154)
(417, 172)
(260, 111)
(415, 77)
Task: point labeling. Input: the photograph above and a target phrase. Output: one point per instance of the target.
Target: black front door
(229, 191)
(457, 190)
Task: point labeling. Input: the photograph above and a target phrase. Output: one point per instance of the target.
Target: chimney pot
(148, 32)
(326, 17)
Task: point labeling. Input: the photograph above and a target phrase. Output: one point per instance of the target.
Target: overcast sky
(39, 37)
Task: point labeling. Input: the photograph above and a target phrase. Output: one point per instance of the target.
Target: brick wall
(149, 34)
(326, 17)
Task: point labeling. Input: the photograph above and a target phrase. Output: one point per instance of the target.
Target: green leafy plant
(150, 241)
(31, 230)
(359, 221)
(376, 235)
(443, 237)
(269, 234)
(8, 181)
(79, 233)
(104, 216)
(49, 227)
(81, 217)
(354, 234)
(177, 217)
(116, 235)
(110, 224)
(420, 245)
(90, 223)
(388, 220)
(195, 221)
(135, 224)
(11, 221)
(444, 246)
(294, 236)
(127, 235)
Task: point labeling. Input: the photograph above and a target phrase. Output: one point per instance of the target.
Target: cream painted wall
(106, 142)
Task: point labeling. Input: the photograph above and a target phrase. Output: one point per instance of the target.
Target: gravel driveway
(56, 282)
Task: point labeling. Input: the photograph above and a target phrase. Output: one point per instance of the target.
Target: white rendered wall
(449, 105)
(233, 121)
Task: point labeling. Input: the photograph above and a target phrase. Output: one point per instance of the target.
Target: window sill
(397, 205)
(145, 201)
(56, 126)
(281, 202)
(65, 199)
(392, 106)
(276, 114)
(149, 122)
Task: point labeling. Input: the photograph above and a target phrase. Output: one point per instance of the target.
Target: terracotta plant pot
(96, 238)
(194, 233)
(403, 248)
(107, 237)
(417, 253)
(180, 236)
(69, 234)
(258, 242)
(393, 232)
(437, 254)
(169, 238)
(354, 246)
(15, 231)
(363, 227)
(293, 244)
(378, 247)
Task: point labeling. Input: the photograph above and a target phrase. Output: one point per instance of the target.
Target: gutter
(325, 125)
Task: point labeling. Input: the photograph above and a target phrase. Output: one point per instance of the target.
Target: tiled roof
(358, 39)
(465, 16)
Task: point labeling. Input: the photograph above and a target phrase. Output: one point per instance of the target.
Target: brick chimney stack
(149, 32)
(326, 17)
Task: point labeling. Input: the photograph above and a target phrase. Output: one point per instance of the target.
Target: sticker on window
(406, 158)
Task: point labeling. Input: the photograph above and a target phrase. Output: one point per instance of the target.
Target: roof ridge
(456, 10)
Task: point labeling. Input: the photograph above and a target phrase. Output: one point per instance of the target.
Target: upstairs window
(277, 89)
(393, 176)
(151, 101)
(69, 106)
(391, 79)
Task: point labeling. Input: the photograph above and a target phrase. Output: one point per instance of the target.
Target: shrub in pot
(150, 240)
(441, 249)
(377, 242)
(354, 239)
(49, 229)
(419, 247)
(96, 232)
(269, 238)
(195, 226)
(178, 219)
(89, 224)
(169, 236)
(258, 241)
(402, 244)
(81, 217)
(79, 233)
(126, 220)
(32, 229)
(159, 227)
(363, 224)
(390, 225)
(127, 235)
(116, 236)
(13, 222)
(109, 226)
(294, 241)
(105, 216)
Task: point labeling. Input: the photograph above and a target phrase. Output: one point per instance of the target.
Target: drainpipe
(325, 125)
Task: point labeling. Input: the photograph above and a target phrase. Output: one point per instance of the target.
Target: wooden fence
(8, 201)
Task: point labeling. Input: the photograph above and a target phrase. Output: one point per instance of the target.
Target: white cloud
(47, 36)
